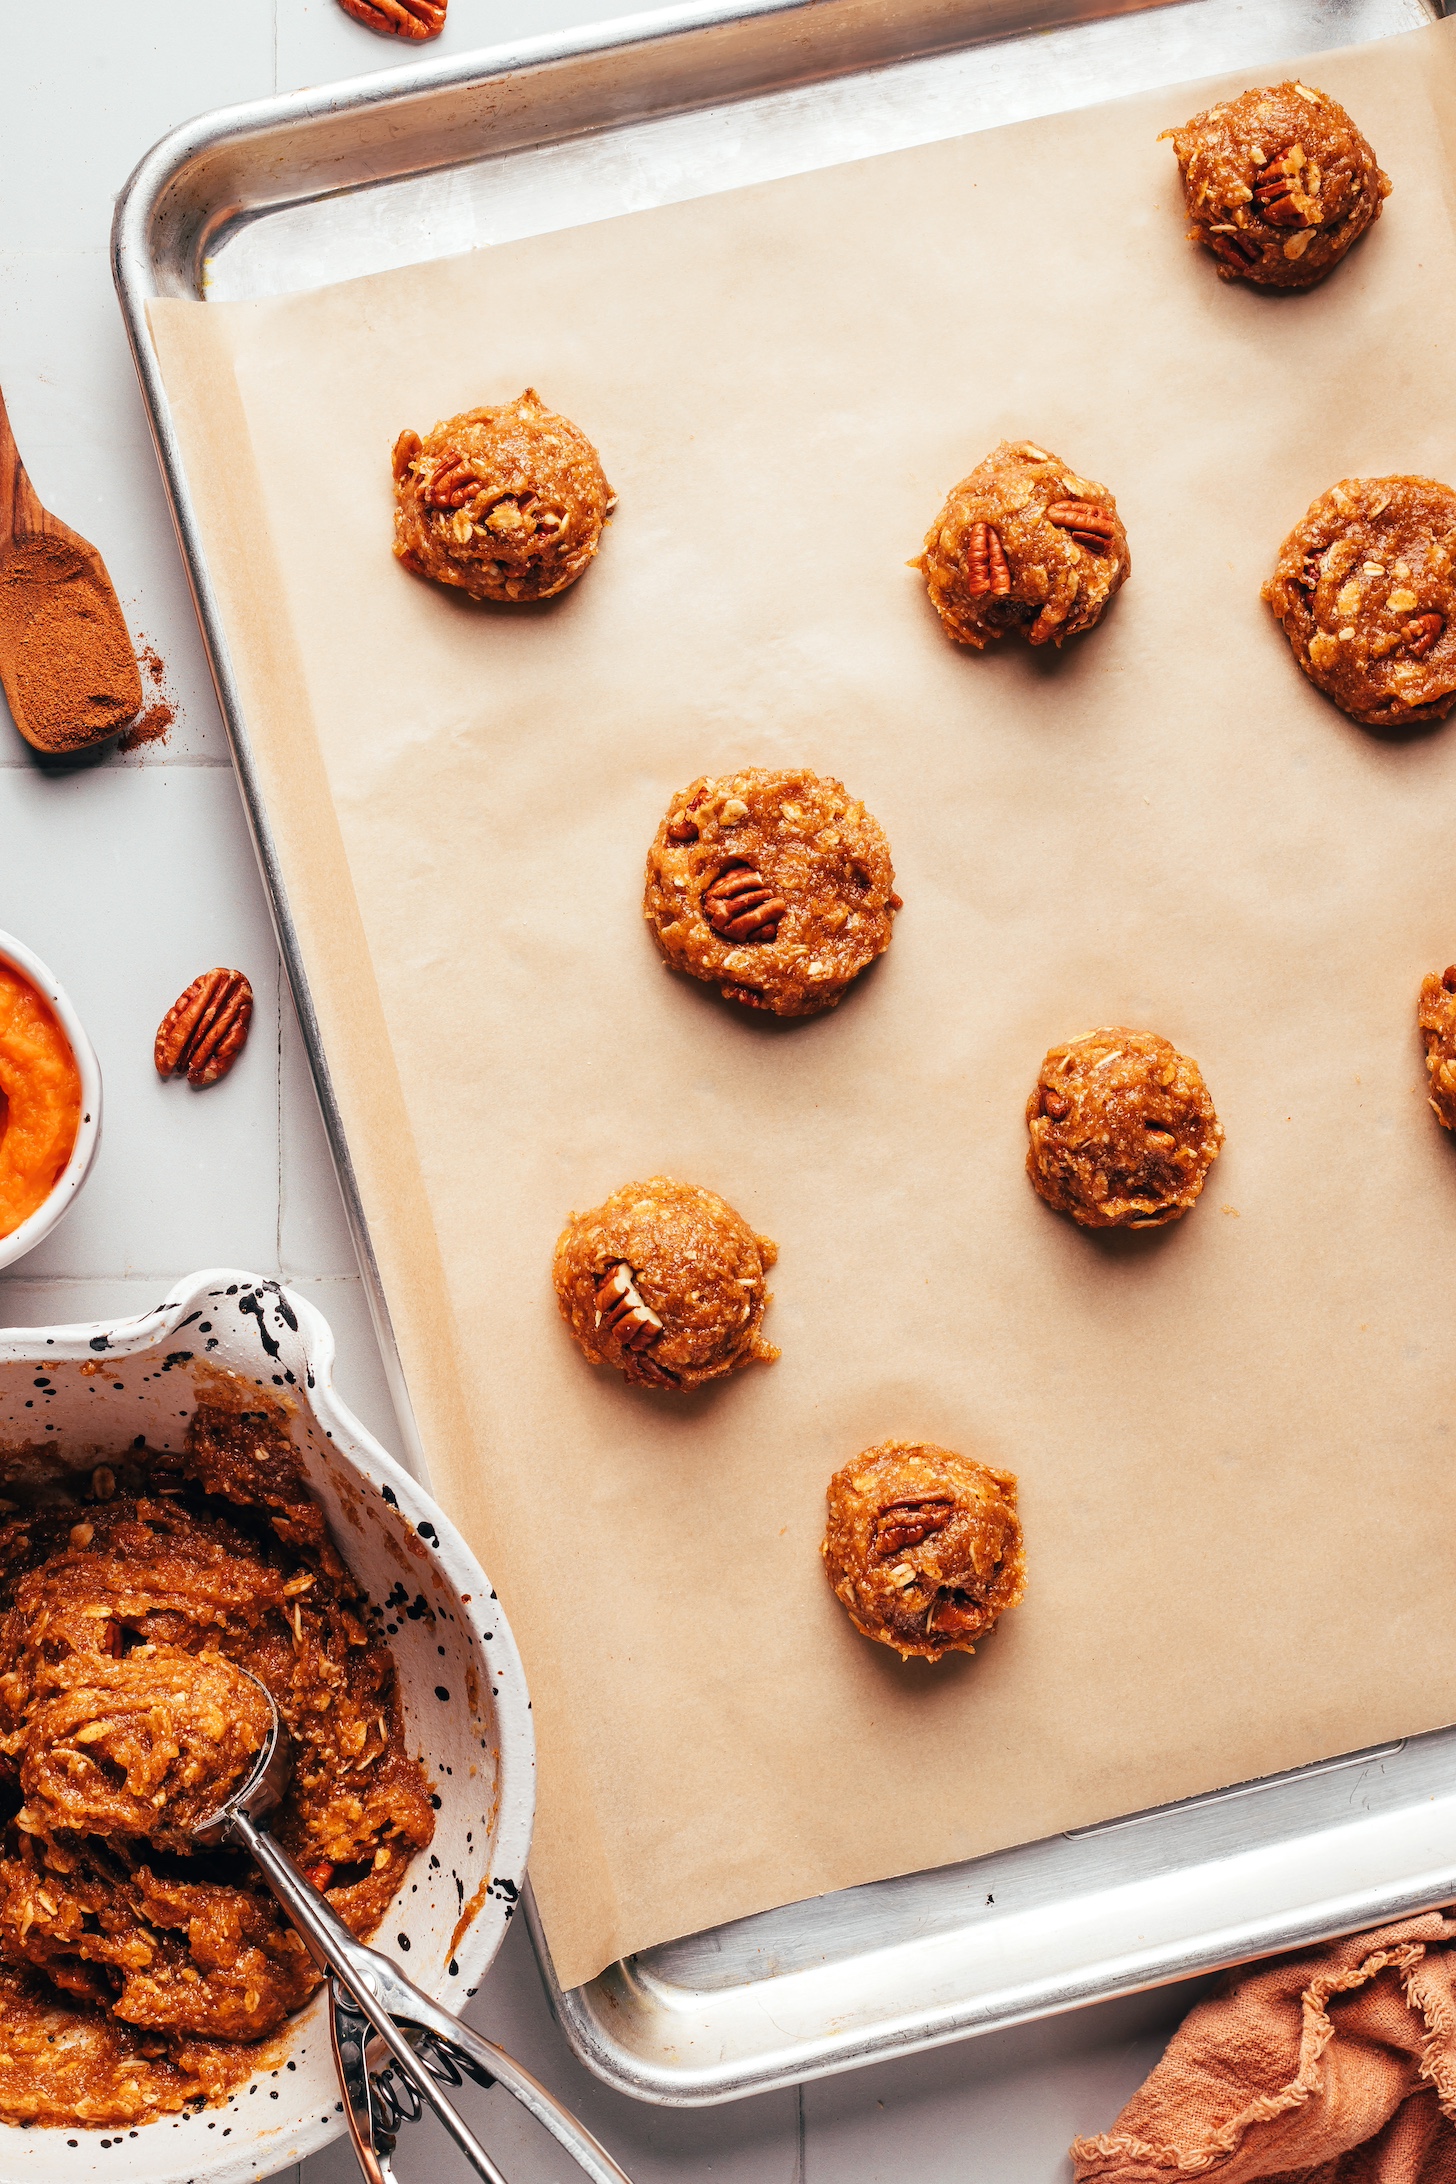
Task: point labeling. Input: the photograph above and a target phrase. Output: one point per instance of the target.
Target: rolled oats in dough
(777, 888)
(1364, 587)
(923, 1547)
(167, 1736)
(1279, 184)
(1123, 1132)
(1437, 1019)
(1024, 544)
(506, 503)
(666, 1283)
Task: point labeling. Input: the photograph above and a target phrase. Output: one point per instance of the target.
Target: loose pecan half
(740, 906)
(1422, 633)
(399, 18)
(621, 1312)
(204, 1031)
(986, 567)
(908, 1524)
(1089, 525)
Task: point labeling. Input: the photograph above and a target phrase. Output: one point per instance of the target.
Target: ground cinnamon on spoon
(71, 665)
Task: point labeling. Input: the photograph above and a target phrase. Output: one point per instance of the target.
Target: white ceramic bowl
(88, 1136)
(94, 1389)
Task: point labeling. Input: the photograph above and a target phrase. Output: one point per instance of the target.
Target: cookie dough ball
(1024, 544)
(1365, 590)
(1437, 1019)
(504, 503)
(923, 1547)
(777, 888)
(148, 1746)
(665, 1282)
(1123, 1131)
(1279, 184)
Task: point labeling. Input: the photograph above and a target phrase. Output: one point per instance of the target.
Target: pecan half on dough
(1436, 1017)
(777, 888)
(1123, 1132)
(1278, 184)
(1023, 544)
(665, 1282)
(923, 1547)
(1365, 587)
(504, 503)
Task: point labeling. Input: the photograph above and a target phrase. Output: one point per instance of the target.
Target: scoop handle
(394, 2007)
(21, 513)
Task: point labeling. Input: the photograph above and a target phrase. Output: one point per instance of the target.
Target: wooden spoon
(66, 659)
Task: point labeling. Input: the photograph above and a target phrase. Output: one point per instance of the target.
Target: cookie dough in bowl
(665, 1282)
(1365, 590)
(923, 1547)
(505, 503)
(141, 1598)
(1123, 1132)
(1279, 183)
(1024, 544)
(184, 1491)
(777, 888)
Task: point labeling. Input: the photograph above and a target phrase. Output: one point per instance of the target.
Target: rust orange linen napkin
(1334, 2065)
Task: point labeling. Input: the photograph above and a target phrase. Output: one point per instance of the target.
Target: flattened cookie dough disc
(1437, 1019)
(923, 1547)
(1365, 589)
(1278, 183)
(1024, 544)
(775, 887)
(1123, 1132)
(665, 1282)
(505, 503)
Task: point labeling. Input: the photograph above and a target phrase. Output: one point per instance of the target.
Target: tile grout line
(146, 765)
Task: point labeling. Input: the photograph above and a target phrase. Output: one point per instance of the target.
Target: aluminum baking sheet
(296, 192)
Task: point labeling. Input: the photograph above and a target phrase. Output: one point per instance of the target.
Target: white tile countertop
(130, 875)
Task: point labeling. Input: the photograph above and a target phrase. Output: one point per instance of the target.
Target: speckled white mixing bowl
(95, 1389)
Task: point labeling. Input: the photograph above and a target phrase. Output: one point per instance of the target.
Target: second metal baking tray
(321, 186)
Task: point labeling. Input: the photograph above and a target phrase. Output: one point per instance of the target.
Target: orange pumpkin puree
(40, 1099)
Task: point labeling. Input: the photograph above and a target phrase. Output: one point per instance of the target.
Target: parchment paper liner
(1234, 1438)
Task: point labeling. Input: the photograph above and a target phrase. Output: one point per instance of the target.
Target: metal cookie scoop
(379, 2021)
